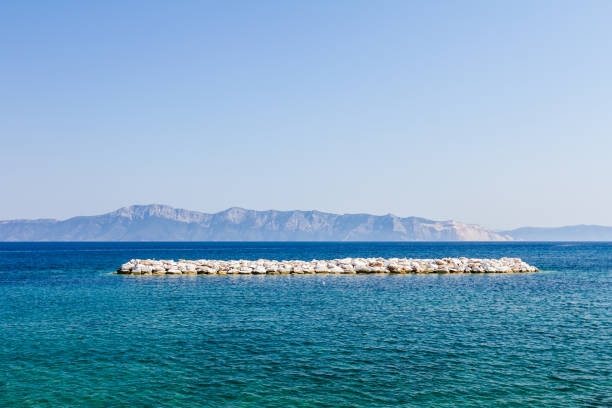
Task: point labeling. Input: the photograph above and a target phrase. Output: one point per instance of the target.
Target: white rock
(345, 265)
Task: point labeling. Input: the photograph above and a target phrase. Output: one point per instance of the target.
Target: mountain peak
(234, 210)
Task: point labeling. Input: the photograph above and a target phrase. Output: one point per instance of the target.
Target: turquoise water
(74, 334)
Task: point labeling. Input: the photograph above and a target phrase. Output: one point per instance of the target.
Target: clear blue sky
(490, 112)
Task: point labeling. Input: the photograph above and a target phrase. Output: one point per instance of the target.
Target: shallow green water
(74, 334)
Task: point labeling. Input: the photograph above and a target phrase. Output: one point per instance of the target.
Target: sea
(74, 333)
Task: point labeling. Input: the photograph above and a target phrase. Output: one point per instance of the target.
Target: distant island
(567, 233)
(157, 222)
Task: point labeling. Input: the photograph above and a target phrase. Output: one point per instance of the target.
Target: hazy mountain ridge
(566, 233)
(164, 223)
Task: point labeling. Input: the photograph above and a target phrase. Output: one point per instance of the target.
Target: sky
(490, 112)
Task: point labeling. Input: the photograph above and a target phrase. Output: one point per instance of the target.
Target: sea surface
(73, 333)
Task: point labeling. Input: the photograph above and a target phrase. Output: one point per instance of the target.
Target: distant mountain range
(163, 223)
(568, 233)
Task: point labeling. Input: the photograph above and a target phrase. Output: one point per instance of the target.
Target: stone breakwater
(345, 265)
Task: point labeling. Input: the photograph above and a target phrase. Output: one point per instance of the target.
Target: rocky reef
(345, 265)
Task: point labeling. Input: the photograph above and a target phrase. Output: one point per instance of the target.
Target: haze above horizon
(483, 112)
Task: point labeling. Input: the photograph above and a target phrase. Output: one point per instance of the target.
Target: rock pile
(345, 265)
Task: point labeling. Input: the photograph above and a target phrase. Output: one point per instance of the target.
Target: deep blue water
(72, 333)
